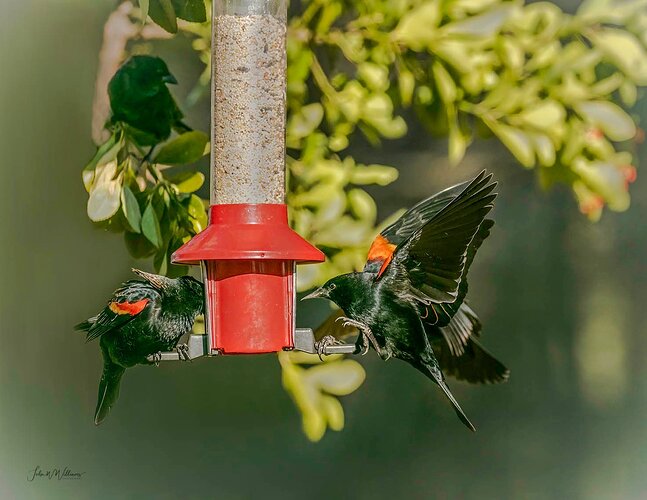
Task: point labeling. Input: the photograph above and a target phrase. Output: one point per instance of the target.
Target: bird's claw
(183, 352)
(157, 357)
(385, 354)
(361, 346)
(365, 333)
(346, 322)
(328, 340)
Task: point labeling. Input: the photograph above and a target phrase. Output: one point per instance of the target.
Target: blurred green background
(561, 300)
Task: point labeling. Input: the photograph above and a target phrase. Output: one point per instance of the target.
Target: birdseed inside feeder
(248, 252)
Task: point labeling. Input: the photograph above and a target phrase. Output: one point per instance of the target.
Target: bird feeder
(248, 252)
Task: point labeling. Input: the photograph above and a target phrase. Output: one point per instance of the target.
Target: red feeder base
(254, 308)
(249, 254)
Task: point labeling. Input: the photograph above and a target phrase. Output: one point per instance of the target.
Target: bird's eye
(332, 286)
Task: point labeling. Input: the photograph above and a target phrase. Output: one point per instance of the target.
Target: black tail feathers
(434, 373)
(457, 408)
(108, 390)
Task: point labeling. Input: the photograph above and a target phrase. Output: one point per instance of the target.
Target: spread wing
(382, 248)
(428, 266)
(128, 302)
(444, 314)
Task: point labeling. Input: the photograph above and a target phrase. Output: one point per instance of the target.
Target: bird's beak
(319, 292)
(169, 79)
(159, 282)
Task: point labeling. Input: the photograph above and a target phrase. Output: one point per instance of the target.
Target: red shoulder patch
(382, 251)
(131, 308)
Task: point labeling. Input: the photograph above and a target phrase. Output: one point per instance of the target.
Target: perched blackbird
(140, 99)
(141, 319)
(408, 302)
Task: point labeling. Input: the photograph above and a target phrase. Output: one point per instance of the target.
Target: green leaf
(106, 153)
(346, 232)
(138, 246)
(102, 151)
(624, 50)
(605, 179)
(407, 83)
(628, 93)
(590, 203)
(483, 25)
(517, 141)
(458, 140)
(175, 271)
(340, 378)
(543, 116)
(338, 143)
(315, 196)
(311, 389)
(608, 85)
(186, 148)
(198, 213)
(191, 183)
(417, 28)
(144, 6)
(544, 148)
(609, 11)
(190, 10)
(424, 95)
(332, 408)
(350, 100)
(444, 82)
(381, 175)
(330, 210)
(611, 118)
(163, 14)
(151, 227)
(376, 76)
(160, 262)
(362, 205)
(305, 121)
(131, 210)
(331, 11)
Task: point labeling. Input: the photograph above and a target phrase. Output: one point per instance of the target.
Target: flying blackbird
(141, 319)
(408, 302)
(140, 99)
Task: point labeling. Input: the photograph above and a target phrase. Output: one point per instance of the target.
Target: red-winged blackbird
(408, 302)
(141, 319)
(140, 98)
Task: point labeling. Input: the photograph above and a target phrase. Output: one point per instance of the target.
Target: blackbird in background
(141, 319)
(140, 99)
(408, 302)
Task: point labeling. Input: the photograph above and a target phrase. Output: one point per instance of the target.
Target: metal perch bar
(304, 340)
(197, 347)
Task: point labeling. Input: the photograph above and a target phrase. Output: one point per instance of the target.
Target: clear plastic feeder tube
(248, 134)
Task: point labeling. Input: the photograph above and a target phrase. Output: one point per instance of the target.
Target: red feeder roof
(247, 231)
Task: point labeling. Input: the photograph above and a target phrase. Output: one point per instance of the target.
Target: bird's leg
(183, 352)
(320, 345)
(364, 330)
(157, 357)
(385, 353)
